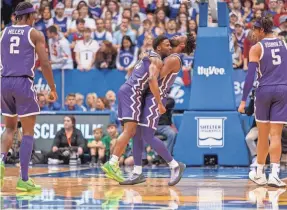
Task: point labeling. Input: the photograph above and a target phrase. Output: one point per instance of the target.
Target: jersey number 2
(14, 42)
(276, 59)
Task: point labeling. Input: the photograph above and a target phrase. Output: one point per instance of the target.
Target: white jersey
(60, 53)
(87, 51)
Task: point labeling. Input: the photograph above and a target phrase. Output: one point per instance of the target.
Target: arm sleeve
(249, 79)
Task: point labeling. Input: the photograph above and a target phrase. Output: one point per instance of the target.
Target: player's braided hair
(266, 23)
(21, 6)
(190, 44)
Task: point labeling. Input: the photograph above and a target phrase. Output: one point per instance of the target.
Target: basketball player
(130, 95)
(269, 58)
(18, 96)
(150, 117)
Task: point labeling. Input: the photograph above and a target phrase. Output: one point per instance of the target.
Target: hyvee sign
(47, 126)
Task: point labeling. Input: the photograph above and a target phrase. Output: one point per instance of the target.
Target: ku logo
(210, 131)
(176, 91)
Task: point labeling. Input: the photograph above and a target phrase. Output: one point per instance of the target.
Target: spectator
(183, 23)
(282, 11)
(89, 22)
(135, 9)
(80, 101)
(258, 14)
(110, 139)
(71, 103)
(239, 33)
(106, 56)
(283, 23)
(247, 11)
(68, 9)
(136, 23)
(97, 147)
(125, 29)
(171, 29)
(248, 43)
(127, 55)
(60, 20)
(273, 7)
(79, 3)
(186, 68)
(174, 7)
(236, 9)
(102, 104)
(95, 8)
(42, 102)
(114, 9)
(164, 125)
(192, 26)
(233, 19)
(101, 34)
(66, 141)
(76, 36)
(111, 97)
(86, 51)
(73, 24)
(147, 45)
(283, 36)
(45, 22)
(108, 25)
(158, 4)
(237, 54)
(147, 27)
(59, 48)
(52, 106)
(160, 20)
(91, 101)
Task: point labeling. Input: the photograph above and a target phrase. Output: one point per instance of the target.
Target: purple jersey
(17, 52)
(273, 63)
(166, 82)
(139, 78)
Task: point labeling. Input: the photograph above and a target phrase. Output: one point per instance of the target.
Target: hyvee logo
(211, 70)
(210, 131)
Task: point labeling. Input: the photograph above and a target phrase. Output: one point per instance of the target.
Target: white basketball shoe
(259, 179)
(275, 181)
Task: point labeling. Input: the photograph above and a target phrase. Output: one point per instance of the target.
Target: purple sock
(3, 156)
(138, 147)
(156, 144)
(25, 155)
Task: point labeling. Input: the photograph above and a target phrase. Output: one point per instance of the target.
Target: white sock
(260, 169)
(138, 169)
(114, 160)
(173, 164)
(275, 169)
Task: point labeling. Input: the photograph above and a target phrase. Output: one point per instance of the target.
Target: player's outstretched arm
(254, 57)
(171, 65)
(154, 70)
(39, 42)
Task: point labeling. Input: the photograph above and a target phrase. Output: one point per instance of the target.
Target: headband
(25, 11)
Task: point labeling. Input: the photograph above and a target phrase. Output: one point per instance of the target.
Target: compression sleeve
(249, 79)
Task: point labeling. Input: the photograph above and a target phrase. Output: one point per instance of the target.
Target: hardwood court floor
(87, 188)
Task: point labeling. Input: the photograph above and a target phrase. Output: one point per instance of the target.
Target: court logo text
(210, 131)
(211, 70)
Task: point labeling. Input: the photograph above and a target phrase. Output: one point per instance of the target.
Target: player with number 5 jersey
(269, 58)
(19, 45)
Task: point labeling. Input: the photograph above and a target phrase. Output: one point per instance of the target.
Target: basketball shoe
(176, 174)
(113, 171)
(275, 181)
(134, 179)
(259, 179)
(27, 186)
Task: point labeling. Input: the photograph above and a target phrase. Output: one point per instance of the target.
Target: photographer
(69, 141)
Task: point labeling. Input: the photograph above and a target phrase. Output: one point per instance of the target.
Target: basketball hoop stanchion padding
(212, 124)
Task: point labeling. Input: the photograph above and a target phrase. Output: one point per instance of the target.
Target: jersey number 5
(14, 42)
(276, 59)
